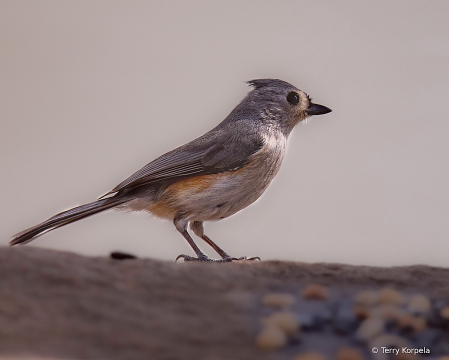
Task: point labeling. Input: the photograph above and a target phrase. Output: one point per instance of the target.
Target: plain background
(90, 91)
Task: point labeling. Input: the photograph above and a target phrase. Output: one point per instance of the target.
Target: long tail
(64, 218)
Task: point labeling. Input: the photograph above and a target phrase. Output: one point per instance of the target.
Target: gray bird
(213, 176)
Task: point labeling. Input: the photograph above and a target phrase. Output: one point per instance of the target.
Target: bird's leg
(181, 226)
(198, 228)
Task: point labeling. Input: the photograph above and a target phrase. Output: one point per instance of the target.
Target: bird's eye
(293, 98)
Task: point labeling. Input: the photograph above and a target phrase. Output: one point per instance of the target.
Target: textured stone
(59, 305)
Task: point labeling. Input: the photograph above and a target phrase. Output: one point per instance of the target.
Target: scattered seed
(444, 313)
(370, 320)
(369, 328)
(278, 300)
(361, 311)
(286, 321)
(311, 322)
(367, 298)
(348, 353)
(406, 356)
(315, 292)
(345, 322)
(310, 355)
(271, 338)
(117, 255)
(390, 296)
(386, 312)
(415, 323)
(388, 340)
(419, 304)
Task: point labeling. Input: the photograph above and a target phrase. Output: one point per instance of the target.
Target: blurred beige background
(90, 91)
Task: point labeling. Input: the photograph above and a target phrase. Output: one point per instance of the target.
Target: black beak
(315, 109)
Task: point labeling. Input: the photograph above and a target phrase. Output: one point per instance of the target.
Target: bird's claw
(202, 259)
(245, 258)
(188, 258)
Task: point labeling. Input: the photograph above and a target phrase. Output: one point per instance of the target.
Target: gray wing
(200, 157)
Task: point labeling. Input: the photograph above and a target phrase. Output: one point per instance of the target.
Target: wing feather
(201, 156)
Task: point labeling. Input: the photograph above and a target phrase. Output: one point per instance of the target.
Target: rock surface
(59, 305)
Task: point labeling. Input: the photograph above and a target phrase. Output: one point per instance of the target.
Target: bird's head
(281, 102)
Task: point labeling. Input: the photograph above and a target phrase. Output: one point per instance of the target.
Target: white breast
(237, 189)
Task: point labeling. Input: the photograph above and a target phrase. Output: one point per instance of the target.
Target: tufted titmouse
(213, 176)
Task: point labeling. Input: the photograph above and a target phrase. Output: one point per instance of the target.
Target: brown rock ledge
(62, 305)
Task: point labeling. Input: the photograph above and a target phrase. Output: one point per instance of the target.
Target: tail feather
(64, 218)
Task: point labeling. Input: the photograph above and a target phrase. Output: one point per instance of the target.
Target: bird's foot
(204, 258)
(254, 258)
